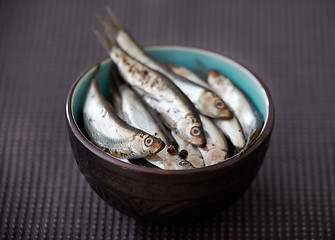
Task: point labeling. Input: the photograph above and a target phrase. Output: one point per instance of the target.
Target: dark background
(45, 45)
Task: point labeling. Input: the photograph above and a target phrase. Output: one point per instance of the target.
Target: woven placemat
(44, 45)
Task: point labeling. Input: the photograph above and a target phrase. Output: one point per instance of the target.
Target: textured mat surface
(44, 45)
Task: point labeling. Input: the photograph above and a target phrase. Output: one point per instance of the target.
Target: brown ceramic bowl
(170, 195)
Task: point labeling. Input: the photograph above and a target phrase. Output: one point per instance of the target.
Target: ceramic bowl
(170, 195)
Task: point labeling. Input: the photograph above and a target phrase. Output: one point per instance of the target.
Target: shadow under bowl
(171, 195)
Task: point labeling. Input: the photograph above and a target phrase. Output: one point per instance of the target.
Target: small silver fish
(230, 127)
(205, 100)
(160, 93)
(137, 114)
(232, 130)
(111, 133)
(216, 149)
(237, 101)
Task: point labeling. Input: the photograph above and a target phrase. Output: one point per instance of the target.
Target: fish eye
(148, 141)
(195, 131)
(219, 104)
(184, 163)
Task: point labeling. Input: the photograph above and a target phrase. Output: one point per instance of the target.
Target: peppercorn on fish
(193, 154)
(205, 100)
(111, 133)
(160, 93)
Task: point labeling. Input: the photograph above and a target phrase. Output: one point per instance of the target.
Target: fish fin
(201, 69)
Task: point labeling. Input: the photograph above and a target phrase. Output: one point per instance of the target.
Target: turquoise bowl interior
(197, 60)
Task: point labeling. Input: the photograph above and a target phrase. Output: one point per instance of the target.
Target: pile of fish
(162, 115)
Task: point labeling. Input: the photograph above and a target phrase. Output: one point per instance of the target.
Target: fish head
(213, 106)
(190, 129)
(146, 144)
(213, 74)
(216, 80)
(215, 155)
(196, 160)
(176, 163)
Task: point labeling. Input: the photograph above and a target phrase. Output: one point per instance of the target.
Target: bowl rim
(231, 162)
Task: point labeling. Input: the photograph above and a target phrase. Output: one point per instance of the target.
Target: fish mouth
(226, 114)
(157, 146)
(199, 141)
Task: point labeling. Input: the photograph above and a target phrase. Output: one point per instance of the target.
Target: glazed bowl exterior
(170, 195)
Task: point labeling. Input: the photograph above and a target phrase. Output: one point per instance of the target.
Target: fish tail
(106, 41)
(115, 23)
(110, 29)
(112, 26)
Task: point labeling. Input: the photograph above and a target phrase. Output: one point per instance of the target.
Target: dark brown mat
(44, 45)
